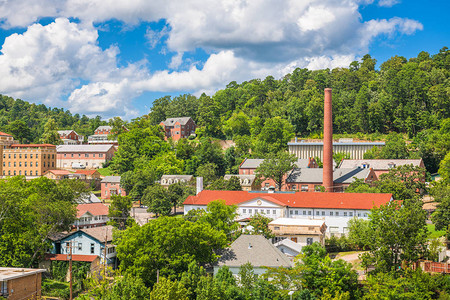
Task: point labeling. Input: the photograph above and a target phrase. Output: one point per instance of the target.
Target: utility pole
(70, 269)
(104, 251)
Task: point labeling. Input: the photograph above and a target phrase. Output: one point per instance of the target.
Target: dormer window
(391, 165)
(365, 165)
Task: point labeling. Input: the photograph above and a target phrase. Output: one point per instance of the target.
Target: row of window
(100, 155)
(45, 156)
(31, 164)
(324, 213)
(20, 173)
(260, 211)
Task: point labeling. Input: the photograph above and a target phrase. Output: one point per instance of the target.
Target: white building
(335, 209)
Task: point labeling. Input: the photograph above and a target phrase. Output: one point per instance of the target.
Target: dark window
(92, 248)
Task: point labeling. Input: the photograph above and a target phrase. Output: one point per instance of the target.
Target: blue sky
(113, 58)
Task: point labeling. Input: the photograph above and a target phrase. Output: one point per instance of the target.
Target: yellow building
(30, 160)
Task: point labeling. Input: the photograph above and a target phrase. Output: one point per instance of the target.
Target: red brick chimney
(327, 142)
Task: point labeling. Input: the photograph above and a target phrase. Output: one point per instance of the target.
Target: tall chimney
(199, 185)
(328, 142)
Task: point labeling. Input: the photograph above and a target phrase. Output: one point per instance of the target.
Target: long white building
(335, 209)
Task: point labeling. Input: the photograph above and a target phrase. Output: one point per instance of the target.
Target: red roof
(31, 145)
(4, 134)
(96, 209)
(298, 199)
(75, 257)
(86, 172)
(59, 172)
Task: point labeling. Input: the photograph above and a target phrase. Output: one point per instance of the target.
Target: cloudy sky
(114, 57)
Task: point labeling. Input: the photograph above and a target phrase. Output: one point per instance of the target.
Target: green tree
(260, 226)
(274, 136)
(191, 278)
(20, 130)
(50, 135)
(157, 198)
(397, 233)
(221, 217)
(208, 171)
(358, 232)
(117, 127)
(166, 289)
(119, 212)
(275, 167)
(444, 168)
(441, 216)
(169, 245)
(178, 192)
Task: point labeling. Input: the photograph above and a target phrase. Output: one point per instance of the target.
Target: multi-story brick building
(110, 185)
(31, 160)
(178, 128)
(83, 156)
(70, 137)
(100, 136)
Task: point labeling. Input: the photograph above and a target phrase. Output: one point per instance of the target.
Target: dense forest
(26, 121)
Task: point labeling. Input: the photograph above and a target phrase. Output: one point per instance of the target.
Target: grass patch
(105, 171)
(55, 288)
(433, 233)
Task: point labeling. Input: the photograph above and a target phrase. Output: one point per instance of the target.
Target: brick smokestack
(328, 142)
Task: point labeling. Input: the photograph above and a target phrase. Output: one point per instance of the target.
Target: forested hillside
(25, 121)
(403, 96)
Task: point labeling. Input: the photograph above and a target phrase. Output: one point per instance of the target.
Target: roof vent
(250, 246)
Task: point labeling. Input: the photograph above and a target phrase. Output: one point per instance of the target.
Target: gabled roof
(86, 172)
(288, 243)
(58, 172)
(179, 177)
(99, 233)
(172, 121)
(111, 179)
(84, 148)
(31, 145)
(297, 222)
(254, 249)
(95, 209)
(253, 163)
(298, 199)
(105, 127)
(379, 164)
(242, 178)
(88, 198)
(64, 132)
(4, 134)
(315, 175)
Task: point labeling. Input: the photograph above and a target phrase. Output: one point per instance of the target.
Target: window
(86, 155)
(25, 164)
(323, 213)
(296, 212)
(100, 155)
(337, 213)
(36, 171)
(304, 188)
(359, 214)
(294, 187)
(93, 155)
(44, 156)
(37, 155)
(20, 172)
(65, 154)
(309, 213)
(274, 212)
(31, 155)
(4, 288)
(80, 246)
(276, 228)
(25, 155)
(365, 215)
(317, 213)
(331, 213)
(92, 248)
(309, 241)
(268, 211)
(250, 211)
(72, 155)
(244, 210)
(345, 213)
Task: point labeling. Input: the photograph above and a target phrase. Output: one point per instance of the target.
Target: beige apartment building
(30, 160)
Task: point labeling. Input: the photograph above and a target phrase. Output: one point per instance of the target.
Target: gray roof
(254, 249)
(172, 121)
(185, 177)
(64, 132)
(87, 198)
(253, 163)
(242, 178)
(338, 143)
(105, 127)
(378, 164)
(100, 232)
(83, 148)
(289, 244)
(111, 179)
(316, 175)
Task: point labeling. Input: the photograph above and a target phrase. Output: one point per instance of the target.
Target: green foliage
(168, 290)
(221, 217)
(275, 166)
(441, 216)
(157, 198)
(168, 245)
(260, 224)
(358, 232)
(397, 233)
(119, 212)
(50, 135)
(191, 278)
(54, 288)
(321, 275)
(30, 211)
(220, 184)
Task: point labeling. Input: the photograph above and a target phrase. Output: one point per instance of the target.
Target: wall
(91, 160)
(27, 287)
(106, 190)
(33, 161)
(287, 251)
(306, 150)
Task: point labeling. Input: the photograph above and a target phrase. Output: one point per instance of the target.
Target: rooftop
(75, 257)
(4, 134)
(83, 148)
(111, 179)
(298, 199)
(379, 164)
(13, 273)
(59, 172)
(297, 222)
(254, 249)
(337, 143)
(253, 163)
(289, 244)
(100, 233)
(172, 121)
(95, 209)
(86, 172)
(340, 175)
(31, 145)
